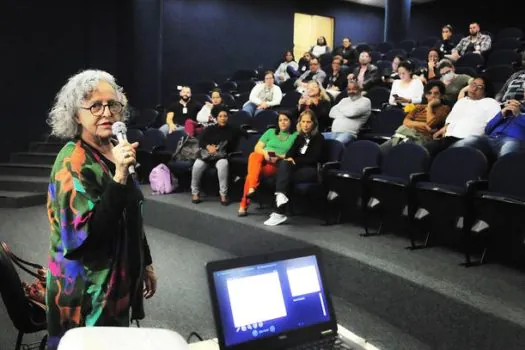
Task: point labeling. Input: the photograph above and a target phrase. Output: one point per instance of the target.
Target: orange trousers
(257, 166)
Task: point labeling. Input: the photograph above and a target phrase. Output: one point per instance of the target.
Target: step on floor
(19, 199)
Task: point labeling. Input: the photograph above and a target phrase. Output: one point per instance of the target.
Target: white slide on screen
(303, 280)
(256, 299)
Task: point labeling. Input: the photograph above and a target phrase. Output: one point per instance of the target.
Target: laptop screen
(264, 300)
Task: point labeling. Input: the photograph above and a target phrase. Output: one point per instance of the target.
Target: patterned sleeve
(485, 43)
(462, 45)
(84, 208)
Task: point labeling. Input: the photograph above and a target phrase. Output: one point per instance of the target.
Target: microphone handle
(122, 137)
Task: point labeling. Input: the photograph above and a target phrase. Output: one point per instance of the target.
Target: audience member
(316, 99)
(216, 142)
(431, 71)
(299, 165)
(314, 73)
(454, 83)
(389, 75)
(179, 112)
(320, 48)
(263, 96)
(514, 86)
(347, 52)
(304, 63)
(505, 133)
(349, 115)
(287, 66)
(423, 120)
(269, 150)
(475, 43)
(366, 74)
(205, 116)
(406, 89)
(336, 81)
(468, 117)
(447, 42)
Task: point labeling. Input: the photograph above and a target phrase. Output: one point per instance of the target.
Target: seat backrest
(200, 98)
(134, 135)
(458, 165)
(204, 87)
(332, 151)
(264, 120)
(405, 159)
(499, 73)
(407, 45)
(466, 70)
(375, 56)
(247, 144)
(509, 32)
(387, 121)
(146, 118)
(239, 118)
(389, 56)
(384, 47)
(228, 86)
(245, 85)
(152, 138)
(325, 59)
(362, 47)
(507, 44)
(420, 52)
(172, 140)
(378, 95)
(470, 60)
(507, 174)
(359, 155)
(244, 74)
(431, 41)
(503, 57)
(228, 100)
(385, 67)
(15, 301)
(290, 99)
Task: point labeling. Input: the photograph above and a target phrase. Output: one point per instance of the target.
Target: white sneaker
(275, 219)
(280, 199)
(332, 195)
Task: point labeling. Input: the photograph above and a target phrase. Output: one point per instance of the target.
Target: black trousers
(435, 146)
(288, 173)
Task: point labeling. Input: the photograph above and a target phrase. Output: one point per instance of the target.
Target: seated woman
(282, 73)
(406, 89)
(263, 96)
(431, 71)
(388, 79)
(317, 100)
(423, 120)
(218, 140)
(270, 149)
(299, 164)
(320, 47)
(205, 116)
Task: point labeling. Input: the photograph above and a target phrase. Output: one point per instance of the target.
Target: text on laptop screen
(264, 300)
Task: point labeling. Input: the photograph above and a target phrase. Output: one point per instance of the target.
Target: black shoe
(195, 199)
(225, 201)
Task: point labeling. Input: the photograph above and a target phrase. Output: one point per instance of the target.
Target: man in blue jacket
(505, 133)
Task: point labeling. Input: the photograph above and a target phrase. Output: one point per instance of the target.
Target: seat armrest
(331, 165)
(418, 177)
(234, 154)
(474, 186)
(369, 171)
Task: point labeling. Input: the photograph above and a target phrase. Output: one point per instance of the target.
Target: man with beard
(179, 111)
(475, 43)
(349, 115)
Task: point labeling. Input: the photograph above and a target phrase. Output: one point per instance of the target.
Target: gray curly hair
(78, 88)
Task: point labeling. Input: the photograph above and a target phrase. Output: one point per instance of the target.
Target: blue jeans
(251, 108)
(343, 137)
(496, 146)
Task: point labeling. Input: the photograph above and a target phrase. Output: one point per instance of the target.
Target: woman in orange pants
(271, 147)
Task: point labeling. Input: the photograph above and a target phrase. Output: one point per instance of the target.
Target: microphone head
(119, 128)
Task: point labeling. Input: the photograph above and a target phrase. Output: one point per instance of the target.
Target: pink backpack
(161, 180)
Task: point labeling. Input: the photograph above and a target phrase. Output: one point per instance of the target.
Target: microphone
(119, 130)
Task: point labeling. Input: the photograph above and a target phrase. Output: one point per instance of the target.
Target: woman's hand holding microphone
(124, 155)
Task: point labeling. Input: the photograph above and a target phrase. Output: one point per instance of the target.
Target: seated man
(468, 117)
(180, 112)
(314, 73)
(505, 133)
(349, 115)
(475, 42)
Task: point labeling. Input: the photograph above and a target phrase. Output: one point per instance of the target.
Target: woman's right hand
(211, 148)
(124, 155)
(266, 156)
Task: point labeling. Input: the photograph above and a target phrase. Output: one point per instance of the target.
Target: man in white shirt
(469, 116)
(349, 115)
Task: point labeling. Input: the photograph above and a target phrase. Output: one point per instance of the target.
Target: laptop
(274, 301)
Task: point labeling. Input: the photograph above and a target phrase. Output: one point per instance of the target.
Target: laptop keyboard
(332, 343)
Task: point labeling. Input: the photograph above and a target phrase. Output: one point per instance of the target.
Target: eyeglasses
(476, 86)
(97, 108)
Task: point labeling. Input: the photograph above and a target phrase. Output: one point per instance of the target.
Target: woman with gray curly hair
(99, 265)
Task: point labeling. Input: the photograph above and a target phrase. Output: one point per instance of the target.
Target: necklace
(283, 139)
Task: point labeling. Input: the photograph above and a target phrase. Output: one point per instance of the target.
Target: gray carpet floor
(182, 301)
